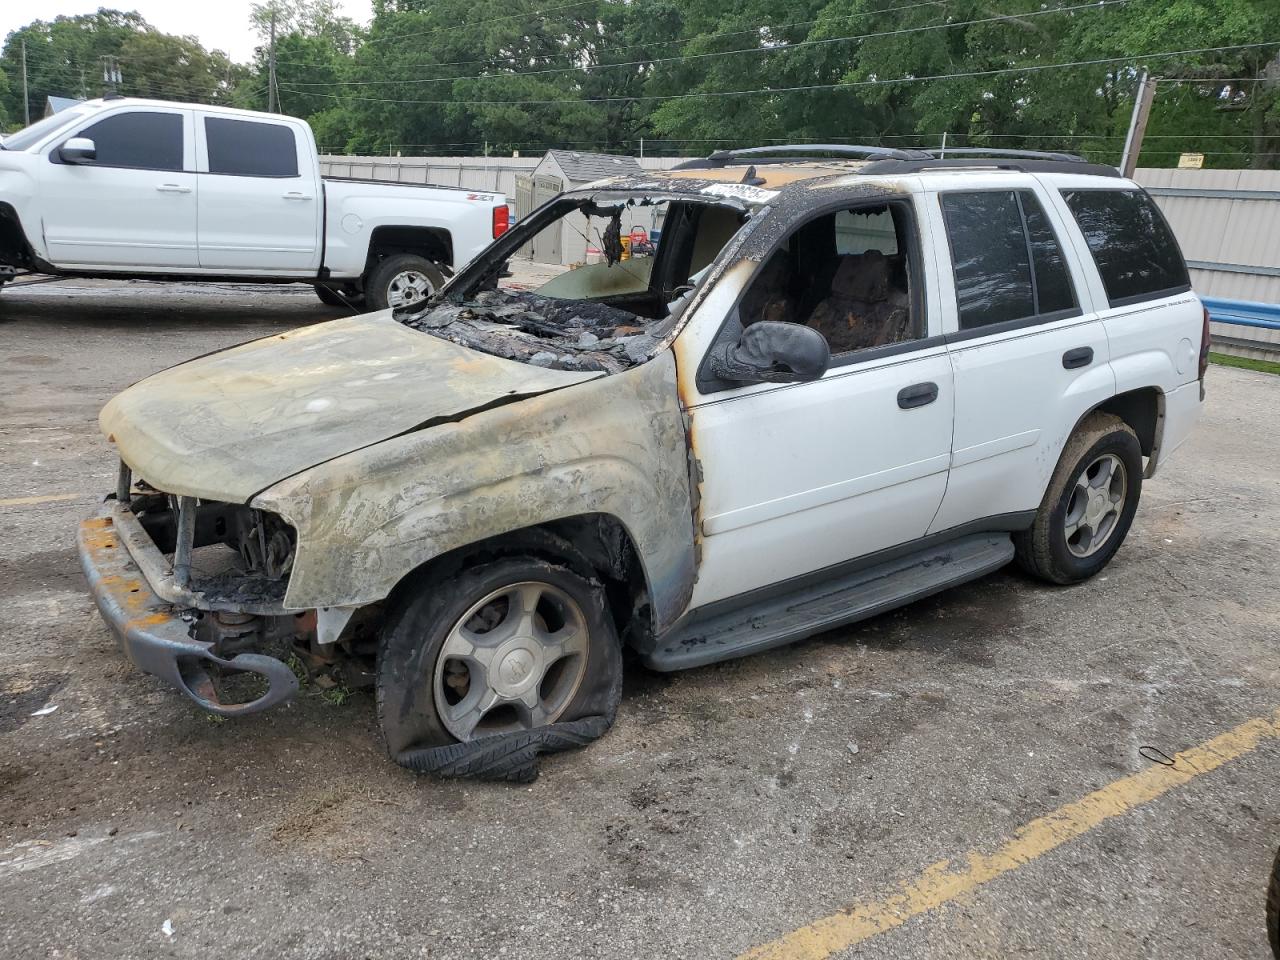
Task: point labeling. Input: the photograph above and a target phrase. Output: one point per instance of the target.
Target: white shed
(557, 171)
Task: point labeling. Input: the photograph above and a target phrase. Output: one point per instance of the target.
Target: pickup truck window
(1131, 243)
(1008, 263)
(140, 140)
(244, 148)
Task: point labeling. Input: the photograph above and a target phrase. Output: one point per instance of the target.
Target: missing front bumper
(156, 635)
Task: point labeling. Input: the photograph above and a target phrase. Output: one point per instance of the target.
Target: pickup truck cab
(836, 386)
(146, 188)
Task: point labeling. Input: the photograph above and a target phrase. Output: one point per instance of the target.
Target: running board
(815, 608)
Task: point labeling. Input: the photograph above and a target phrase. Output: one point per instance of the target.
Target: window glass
(843, 275)
(858, 231)
(1053, 281)
(144, 141)
(989, 255)
(1131, 243)
(245, 148)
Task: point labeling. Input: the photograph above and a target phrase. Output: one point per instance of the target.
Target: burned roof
(584, 167)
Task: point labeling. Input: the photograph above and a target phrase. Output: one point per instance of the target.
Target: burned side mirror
(774, 352)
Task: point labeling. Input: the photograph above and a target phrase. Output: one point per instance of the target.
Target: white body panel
(262, 224)
(804, 476)
(118, 216)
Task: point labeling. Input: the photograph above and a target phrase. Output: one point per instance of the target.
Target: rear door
(1027, 347)
(261, 205)
(134, 205)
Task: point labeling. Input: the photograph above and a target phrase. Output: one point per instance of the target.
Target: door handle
(296, 195)
(172, 188)
(1079, 357)
(917, 395)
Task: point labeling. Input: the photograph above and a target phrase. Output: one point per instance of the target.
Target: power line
(767, 91)
(780, 48)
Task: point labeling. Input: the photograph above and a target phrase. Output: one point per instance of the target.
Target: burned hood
(228, 425)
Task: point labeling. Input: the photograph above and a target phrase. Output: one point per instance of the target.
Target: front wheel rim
(409, 288)
(1094, 505)
(512, 662)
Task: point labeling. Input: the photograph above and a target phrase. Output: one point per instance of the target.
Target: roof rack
(788, 154)
(996, 152)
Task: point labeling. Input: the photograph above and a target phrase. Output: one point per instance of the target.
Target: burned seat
(865, 308)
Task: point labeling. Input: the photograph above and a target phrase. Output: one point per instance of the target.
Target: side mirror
(774, 352)
(78, 150)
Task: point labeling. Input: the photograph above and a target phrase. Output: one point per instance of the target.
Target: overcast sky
(219, 24)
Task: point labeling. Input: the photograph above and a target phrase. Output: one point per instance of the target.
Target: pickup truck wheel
(401, 281)
(342, 298)
(507, 652)
(1089, 506)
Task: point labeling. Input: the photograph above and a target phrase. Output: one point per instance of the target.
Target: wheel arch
(1143, 410)
(15, 248)
(433, 243)
(594, 545)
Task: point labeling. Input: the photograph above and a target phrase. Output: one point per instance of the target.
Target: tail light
(501, 220)
(1204, 345)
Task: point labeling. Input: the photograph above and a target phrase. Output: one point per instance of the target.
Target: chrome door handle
(296, 195)
(917, 395)
(172, 188)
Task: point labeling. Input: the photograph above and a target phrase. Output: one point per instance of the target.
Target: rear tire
(1273, 908)
(459, 659)
(403, 281)
(1089, 505)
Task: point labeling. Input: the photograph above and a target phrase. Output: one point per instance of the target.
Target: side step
(844, 599)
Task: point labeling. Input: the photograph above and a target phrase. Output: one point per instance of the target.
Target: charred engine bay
(544, 331)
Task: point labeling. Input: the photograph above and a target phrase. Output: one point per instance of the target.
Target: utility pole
(273, 96)
(26, 99)
(1138, 124)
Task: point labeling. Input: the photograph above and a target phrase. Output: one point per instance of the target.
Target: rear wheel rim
(514, 661)
(1094, 505)
(408, 288)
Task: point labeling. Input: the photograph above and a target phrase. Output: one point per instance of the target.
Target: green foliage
(466, 76)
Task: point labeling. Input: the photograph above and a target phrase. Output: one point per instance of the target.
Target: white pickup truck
(122, 187)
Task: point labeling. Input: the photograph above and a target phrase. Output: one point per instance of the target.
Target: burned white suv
(781, 395)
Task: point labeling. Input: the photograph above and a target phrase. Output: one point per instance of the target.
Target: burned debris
(543, 331)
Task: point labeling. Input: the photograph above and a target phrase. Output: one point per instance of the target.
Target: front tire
(504, 649)
(1089, 505)
(402, 281)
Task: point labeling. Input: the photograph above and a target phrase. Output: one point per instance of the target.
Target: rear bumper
(1182, 409)
(156, 635)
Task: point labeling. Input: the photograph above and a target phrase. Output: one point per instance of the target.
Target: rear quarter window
(1132, 245)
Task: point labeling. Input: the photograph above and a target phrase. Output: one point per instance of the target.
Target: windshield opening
(595, 288)
(33, 134)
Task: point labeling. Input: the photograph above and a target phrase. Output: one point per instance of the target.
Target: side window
(847, 275)
(1008, 264)
(1131, 242)
(142, 141)
(246, 148)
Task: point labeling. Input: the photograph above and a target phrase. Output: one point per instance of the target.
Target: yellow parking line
(50, 498)
(942, 883)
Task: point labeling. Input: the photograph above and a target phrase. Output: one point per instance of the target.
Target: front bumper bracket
(156, 636)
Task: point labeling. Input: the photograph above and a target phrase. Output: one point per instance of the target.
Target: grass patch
(1246, 363)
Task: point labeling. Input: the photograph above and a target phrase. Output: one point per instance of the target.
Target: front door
(804, 476)
(134, 205)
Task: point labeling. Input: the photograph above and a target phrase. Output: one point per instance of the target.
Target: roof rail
(997, 152)
(788, 151)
